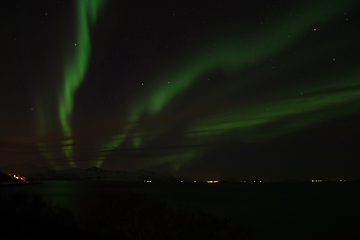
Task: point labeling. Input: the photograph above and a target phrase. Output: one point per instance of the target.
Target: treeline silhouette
(129, 216)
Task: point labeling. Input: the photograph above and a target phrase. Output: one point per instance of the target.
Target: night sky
(204, 89)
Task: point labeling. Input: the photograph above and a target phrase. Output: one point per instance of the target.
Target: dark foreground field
(127, 216)
(92, 210)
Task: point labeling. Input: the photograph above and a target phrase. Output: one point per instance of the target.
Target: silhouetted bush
(130, 216)
(134, 216)
(29, 216)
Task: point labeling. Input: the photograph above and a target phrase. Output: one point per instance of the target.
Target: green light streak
(111, 144)
(174, 161)
(137, 141)
(290, 113)
(68, 151)
(234, 54)
(43, 149)
(239, 53)
(76, 65)
(44, 126)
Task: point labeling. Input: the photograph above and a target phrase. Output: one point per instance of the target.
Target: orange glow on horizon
(212, 181)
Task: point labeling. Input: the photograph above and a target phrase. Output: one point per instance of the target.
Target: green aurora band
(293, 110)
(76, 67)
(287, 111)
(234, 54)
(239, 53)
(76, 64)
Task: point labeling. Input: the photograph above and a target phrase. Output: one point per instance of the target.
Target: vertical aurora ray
(45, 126)
(76, 65)
(110, 145)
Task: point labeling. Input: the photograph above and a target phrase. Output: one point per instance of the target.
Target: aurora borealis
(262, 89)
(75, 68)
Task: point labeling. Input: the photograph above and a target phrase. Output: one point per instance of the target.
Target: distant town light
(212, 181)
(316, 180)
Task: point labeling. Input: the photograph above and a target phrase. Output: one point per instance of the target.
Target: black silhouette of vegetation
(24, 215)
(136, 216)
(131, 216)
